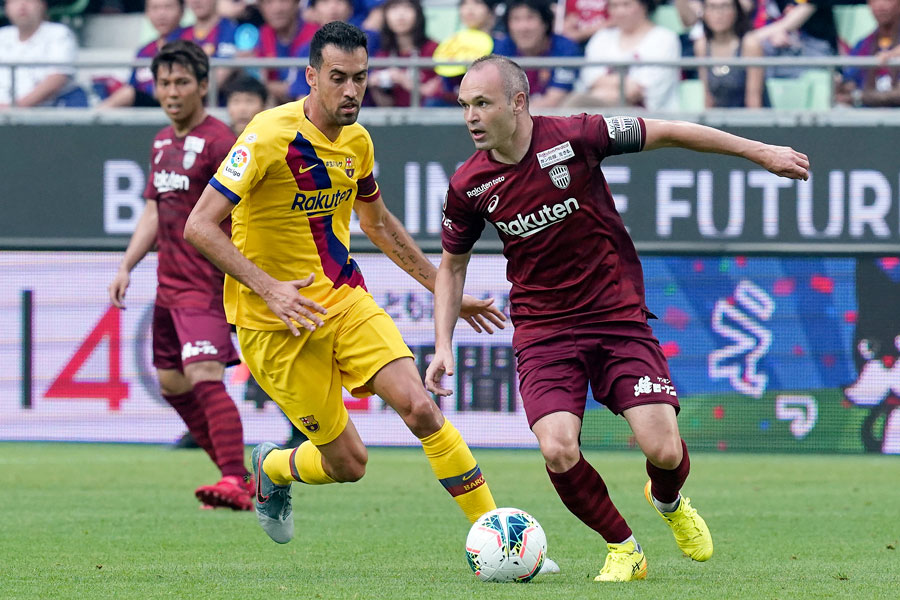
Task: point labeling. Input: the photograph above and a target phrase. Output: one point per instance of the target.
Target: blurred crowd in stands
(598, 30)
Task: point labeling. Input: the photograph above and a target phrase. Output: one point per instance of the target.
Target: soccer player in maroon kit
(577, 298)
(191, 338)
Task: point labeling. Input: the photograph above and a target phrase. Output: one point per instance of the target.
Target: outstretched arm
(141, 243)
(202, 230)
(448, 293)
(781, 160)
(391, 237)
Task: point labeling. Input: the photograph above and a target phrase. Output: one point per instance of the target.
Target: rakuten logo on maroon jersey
(530, 224)
(167, 181)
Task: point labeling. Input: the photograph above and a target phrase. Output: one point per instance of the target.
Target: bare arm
(792, 21)
(202, 230)
(756, 81)
(781, 160)
(873, 97)
(141, 243)
(448, 293)
(124, 96)
(45, 90)
(388, 233)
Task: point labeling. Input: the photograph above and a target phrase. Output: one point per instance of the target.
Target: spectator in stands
(875, 86)
(804, 28)
(283, 35)
(725, 25)
(31, 38)
(474, 40)
(321, 12)
(403, 35)
(245, 96)
(210, 31)
(632, 36)
(530, 27)
(578, 20)
(164, 16)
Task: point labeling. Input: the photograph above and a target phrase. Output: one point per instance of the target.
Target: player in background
(191, 338)
(577, 298)
(306, 324)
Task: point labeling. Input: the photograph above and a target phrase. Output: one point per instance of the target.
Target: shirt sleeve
(367, 190)
(150, 192)
(61, 48)
(612, 135)
(245, 164)
(460, 226)
(564, 77)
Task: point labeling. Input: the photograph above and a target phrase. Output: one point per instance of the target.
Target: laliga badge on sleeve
(237, 163)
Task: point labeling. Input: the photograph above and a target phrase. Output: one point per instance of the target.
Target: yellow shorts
(304, 374)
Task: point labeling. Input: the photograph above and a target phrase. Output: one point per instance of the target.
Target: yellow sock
(456, 469)
(303, 463)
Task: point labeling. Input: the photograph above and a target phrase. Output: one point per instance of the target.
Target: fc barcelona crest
(310, 423)
(348, 167)
(560, 176)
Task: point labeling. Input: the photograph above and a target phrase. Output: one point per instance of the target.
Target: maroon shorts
(622, 361)
(182, 336)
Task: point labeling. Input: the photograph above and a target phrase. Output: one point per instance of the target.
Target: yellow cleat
(623, 563)
(690, 530)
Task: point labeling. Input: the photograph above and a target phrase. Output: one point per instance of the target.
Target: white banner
(93, 379)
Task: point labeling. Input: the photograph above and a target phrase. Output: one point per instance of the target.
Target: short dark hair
(345, 36)
(514, 78)
(185, 53)
(541, 7)
(241, 82)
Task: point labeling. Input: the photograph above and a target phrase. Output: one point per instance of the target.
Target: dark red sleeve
(367, 190)
(150, 189)
(461, 226)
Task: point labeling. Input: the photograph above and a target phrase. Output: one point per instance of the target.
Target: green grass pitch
(120, 521)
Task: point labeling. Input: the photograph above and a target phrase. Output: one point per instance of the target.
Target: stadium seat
(820, 84)
(667, 16)
(853, 22)
(692, 95)
(441, 20)
(788, 94)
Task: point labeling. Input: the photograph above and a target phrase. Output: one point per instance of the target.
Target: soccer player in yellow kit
(306, 324)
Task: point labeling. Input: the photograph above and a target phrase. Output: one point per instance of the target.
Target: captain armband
(626, 134)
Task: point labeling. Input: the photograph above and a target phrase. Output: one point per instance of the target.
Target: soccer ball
(506, 544)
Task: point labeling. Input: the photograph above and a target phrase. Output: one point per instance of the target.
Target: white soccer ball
(506, 544)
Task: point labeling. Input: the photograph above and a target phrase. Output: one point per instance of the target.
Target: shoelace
(618, 557)
(687, 525)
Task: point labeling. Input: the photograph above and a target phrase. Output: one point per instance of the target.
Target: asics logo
(532, 223)
(302, 170)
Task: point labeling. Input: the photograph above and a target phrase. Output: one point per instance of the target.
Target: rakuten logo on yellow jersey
(320, 202)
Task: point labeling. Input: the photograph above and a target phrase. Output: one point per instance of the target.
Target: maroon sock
(665, 484)
(583, 492)
(191, 412)
(225, 430)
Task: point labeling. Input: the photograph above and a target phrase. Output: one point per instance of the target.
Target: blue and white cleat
(549, 567)
(273, 502)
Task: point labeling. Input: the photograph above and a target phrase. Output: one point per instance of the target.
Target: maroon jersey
(180, 168)
(570, 259)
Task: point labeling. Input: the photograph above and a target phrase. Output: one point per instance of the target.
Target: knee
(560, 454)
(350, 470)
(421, 415)
(666, 455)
(173, 385)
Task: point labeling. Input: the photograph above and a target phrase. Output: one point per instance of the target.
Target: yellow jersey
(294, 191)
